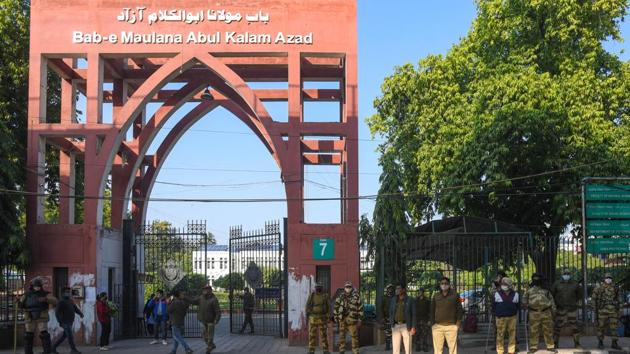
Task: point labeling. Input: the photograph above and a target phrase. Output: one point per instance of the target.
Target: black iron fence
(11, 281)
(257, 263)
(166, 259)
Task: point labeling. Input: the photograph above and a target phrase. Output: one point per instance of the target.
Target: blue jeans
(160, 326)
(178, 338)
(67, 333)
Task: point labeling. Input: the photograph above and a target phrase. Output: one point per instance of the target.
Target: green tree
(14, 26)
(192, 284)
(529, 90)
(234, 280)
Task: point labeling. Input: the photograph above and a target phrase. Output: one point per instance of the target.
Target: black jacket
(65, 311)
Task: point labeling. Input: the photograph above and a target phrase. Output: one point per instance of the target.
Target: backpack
(470, 323)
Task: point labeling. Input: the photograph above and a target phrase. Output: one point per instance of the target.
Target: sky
(221, 157)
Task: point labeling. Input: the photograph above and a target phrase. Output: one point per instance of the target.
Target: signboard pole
(584, 251)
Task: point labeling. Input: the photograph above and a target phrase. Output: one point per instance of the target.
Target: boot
(615, 344)
(556, 341)
(576, 343)
(600, 344)
(46, 342)
(28, 342)
(388, 344)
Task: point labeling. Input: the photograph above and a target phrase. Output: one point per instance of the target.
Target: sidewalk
(243, 344)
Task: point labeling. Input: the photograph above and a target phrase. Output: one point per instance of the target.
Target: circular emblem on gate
(253, 275)
(171, 274)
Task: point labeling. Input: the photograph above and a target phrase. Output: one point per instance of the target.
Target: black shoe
(615, 345)
(600, 345)
(241, 331)
(74, 351)
(46, 342)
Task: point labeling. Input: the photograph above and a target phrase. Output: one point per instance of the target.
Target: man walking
(567, 293)
(446, 316)
(177, 309)
(607, 308)
(35, 303)
(348, 314)
(65, 311)
(423, 328)
(402, 312)
(248, 307)
(160, 317)
(540, 308)
(208, 314)
(505, 307)
(317, 312)
(104, 317)
(387, 324)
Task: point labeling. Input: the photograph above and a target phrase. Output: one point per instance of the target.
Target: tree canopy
(509, 121)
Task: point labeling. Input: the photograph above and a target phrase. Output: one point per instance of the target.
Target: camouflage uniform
(567, 294)
(317, 310)
(423, 306)
(35, 305)
(607, 307)
(389, 294)
(348, 311)
(540, 306)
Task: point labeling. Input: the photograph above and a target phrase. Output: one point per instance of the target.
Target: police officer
(540, 308)
(423, 327)
(35, 303)
(317, 311)
(348, 314)
(607, 308)
(389, 294)
(566, 293)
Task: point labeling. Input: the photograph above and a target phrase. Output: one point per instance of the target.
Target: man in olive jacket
(177, 309)
(446, 316)
(208, 314)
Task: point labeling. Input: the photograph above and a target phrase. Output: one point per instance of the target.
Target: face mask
(566, 277)
(444, 287)
(505, 287)
(608, 280)
(347, 290)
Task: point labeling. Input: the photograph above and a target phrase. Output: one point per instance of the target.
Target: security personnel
(389, 294)
(35, 303)
(249, 304)
(505, 307)
(317, 311)
(607, 308)
(348, 314)
(423, 327)
(540, 308)
(567, 294)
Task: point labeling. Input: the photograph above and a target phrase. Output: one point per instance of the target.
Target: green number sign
(323, 249)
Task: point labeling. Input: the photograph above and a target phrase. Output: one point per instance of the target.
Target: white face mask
(505, 287)
(608, 280)
(566, 277)
(444, 287)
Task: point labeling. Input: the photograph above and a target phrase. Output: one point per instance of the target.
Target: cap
(608, 275)
(507, 281)
(566, 271)
(348, 284)
(389, 286)
(37, 282)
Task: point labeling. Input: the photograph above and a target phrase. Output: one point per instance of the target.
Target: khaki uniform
(607, 307)
(36, 305)
(540, 310)
(567, 294)
(317, 311)
(348, 311)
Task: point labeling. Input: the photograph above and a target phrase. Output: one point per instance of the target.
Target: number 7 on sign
(323, 244)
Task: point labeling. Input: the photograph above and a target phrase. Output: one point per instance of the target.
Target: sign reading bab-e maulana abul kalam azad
(147, 20)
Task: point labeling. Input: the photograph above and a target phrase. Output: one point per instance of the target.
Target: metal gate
(169, 258)
(257, 262)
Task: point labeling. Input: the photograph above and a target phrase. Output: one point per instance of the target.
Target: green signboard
(607, 192)
(323, 249)
(608, 210)
(608, 227)
(608, 245)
